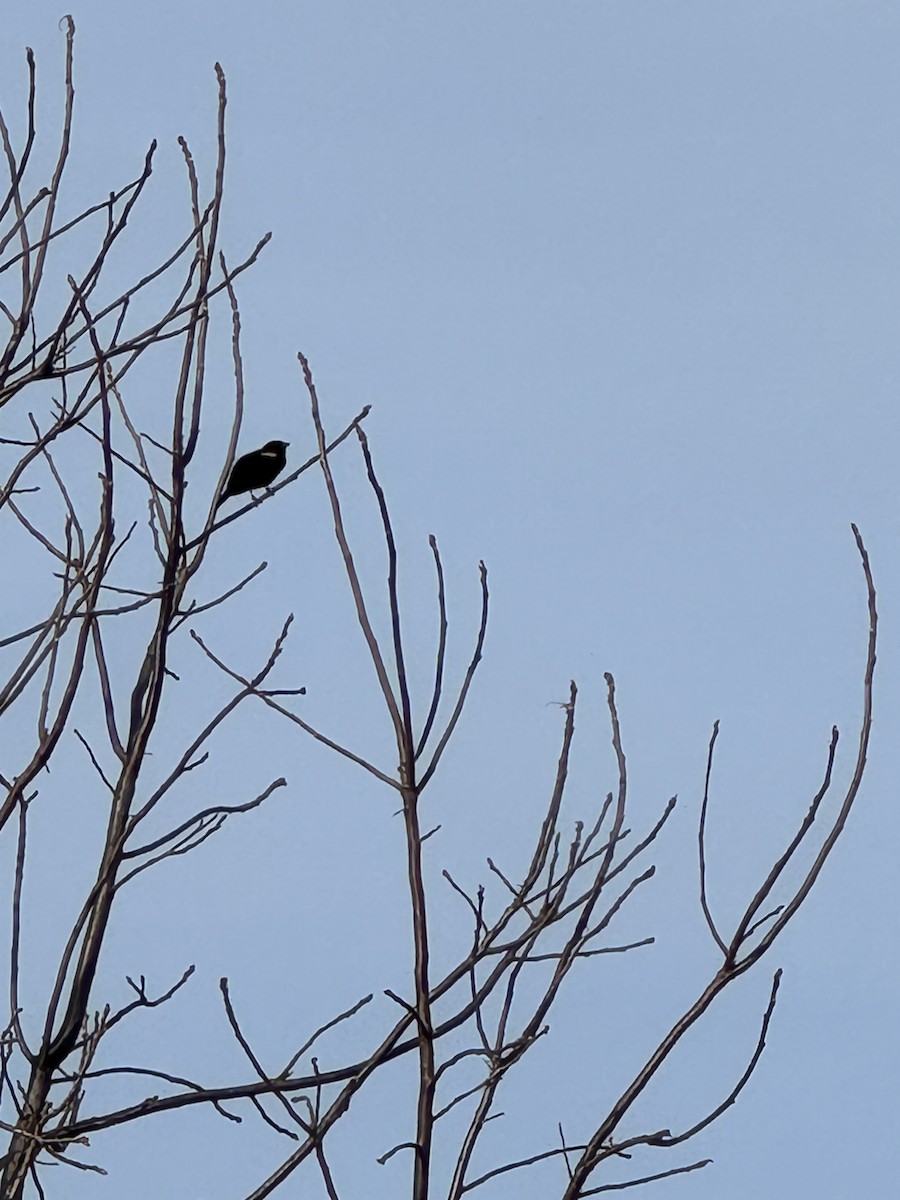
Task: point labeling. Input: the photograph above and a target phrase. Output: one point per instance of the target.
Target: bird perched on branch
(255, 470)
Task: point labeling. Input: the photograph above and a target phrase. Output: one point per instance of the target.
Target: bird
(255, 470)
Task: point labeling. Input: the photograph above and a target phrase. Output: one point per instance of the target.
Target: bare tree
(120, 565)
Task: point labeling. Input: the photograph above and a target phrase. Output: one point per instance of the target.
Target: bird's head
(274, 449)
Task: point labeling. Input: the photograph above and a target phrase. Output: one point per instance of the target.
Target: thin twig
(701, 838)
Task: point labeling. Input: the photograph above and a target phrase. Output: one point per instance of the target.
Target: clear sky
(621, 281)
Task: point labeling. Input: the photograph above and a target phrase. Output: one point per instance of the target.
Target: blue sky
(622, 283)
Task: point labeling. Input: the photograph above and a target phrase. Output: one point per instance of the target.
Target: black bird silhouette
(255, 470)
